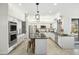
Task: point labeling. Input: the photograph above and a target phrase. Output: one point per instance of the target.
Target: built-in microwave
(13, 28)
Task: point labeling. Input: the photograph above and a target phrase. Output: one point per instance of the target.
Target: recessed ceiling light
(20, 4)
(55, 4)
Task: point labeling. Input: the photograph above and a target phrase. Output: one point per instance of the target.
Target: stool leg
(29, 46)
(33, 45)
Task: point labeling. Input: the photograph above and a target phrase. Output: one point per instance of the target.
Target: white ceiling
(47, 8)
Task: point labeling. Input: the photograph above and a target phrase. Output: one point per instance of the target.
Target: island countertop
(40, 36)
(69, 35)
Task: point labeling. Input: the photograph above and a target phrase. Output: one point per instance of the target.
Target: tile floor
(20, 49)
(52, 49)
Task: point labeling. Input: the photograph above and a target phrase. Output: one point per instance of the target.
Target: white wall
(4, 28)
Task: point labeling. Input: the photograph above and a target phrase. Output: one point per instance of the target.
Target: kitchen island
(64, 41)
(39, 43)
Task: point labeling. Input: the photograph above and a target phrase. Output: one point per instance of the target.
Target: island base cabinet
(40, 46)
(66, 42)
(60, 42)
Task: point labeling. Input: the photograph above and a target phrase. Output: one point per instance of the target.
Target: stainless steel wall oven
(12, 33)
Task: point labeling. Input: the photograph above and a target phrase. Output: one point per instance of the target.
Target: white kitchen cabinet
(66, 42)
(40, 46)
(60, 41)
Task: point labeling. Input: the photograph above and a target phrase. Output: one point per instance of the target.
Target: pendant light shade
(37, 3)
(37, 15)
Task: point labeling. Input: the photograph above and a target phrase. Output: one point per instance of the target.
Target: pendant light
(37, 15)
